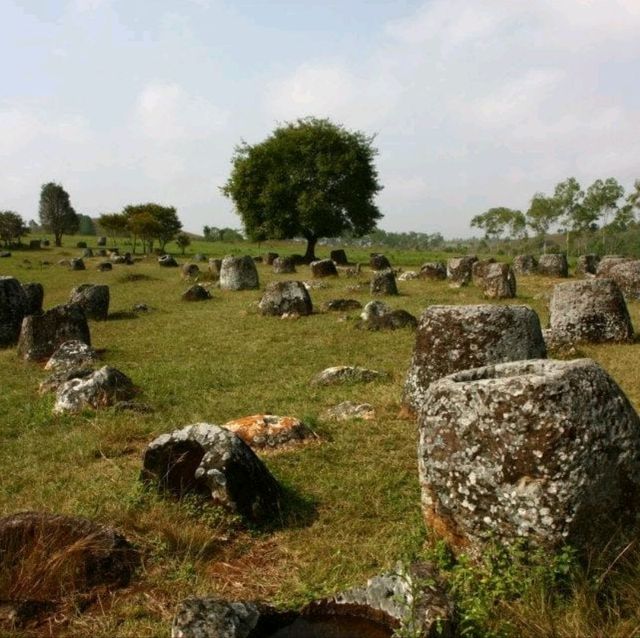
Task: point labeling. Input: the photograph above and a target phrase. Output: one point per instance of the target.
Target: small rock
(339, 257)
(133, 406)
(190, 271)
(408, 275)
(269, 258)
(71, 354)
(351, 410)
(375, 309)
(342, 305)
(238, 273)
(587, 264)
(93, 299)
(347, 374)
(323, 268)
(384, 283)
(436, 270)
(285, 297)
(77, 264)
(269, 431)
(212, 618)
(167, 261)
(554, 265)
(196, 292)
(34, 294)
(104, 266)
(59, 378)
(377, 261)
(284, 265)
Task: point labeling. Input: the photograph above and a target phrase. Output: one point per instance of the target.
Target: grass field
(355, 493)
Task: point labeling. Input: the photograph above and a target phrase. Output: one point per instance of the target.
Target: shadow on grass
(122, 315)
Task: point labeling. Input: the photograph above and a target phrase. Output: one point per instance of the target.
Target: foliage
(496, 221)
(152, 222)
(183, 240)
(56, 213)
(310, 178)
(601, 200)
(12, 227)
(542, 213)
(113, 224)
(86, 225)
(213, 233)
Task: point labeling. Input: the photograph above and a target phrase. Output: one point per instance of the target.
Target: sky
(473, 103)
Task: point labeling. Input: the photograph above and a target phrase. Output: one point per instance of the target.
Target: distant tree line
(602, 209)
(213, 233)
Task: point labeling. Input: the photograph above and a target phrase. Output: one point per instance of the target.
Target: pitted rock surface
(609, 261)
(454, 338)
(383, 282)
(459, 270)
(56, 380)
(351, 410)
(498, 282)
(284, 265)
(96, 555)
(190, 271)
(479, 268)
(100, 389)
(323, 268)
(347, 374)
(436, 270)
(525, 265)
(589, 311)
(587, 264)
(41, 335)
(554, 265)
(339, 257)
(213, 618)
(71, 354)
(13, 307)
(34, 294)
(208, 459)
(93, 299)
(269, 431)
(627, 276)
(547, 451)
(197, 292)
(377, 261)
(285, 297)
(167, 261)
(238, 273)
(342, 305)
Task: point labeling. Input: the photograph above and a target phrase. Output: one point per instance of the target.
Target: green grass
(355, 494)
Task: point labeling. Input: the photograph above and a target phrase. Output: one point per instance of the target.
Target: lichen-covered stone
(285, 297)
(627, 276)
(213, 618)
(34, 294)
(167, 261)
(238, 273)
(383, 282)
(284, 265)
(342, 305)
(377, 261)
(13, 307)
(453, 338)
(392, 320)
(93, 299)
(71, 354)
(587, 264)
(498, 281)
(323, 268)
(269, 431)
(478, 269)
(350, 410)
(347, 374)
(553, 265)
(436, 270)
(375, 309)
(197, 292)
(547, 451)
(56, 380)
(525, 265)
(609, 261)
(100, 389)
(593, 310)
(339, 257)
(209, 460)
(459, 270)
(41, 335)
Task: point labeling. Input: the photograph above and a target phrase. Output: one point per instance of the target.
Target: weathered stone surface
(383, 282)
(548, 451)
(351, 410)
(13, 307)
(339, 257)
(189, 271)
(94, 555)
(34, 293)
(498, 282)
(587, 264)
(71, 354)
(479, 268)
(208, 459)
(554, 265)
(323, 268)
(197, 292)
(56, 380)
(342, 305)
(214, 267)
(269, 431)
(167, 261)
(391, 320)
(433, 270)
(41, 335)
(377, 261)
(525, 265)
(347, 374)
(608, 262)
(102, 388)
(589, 311)
(627, 276)
(77, 264)
(93, 299)
(284, 265)
(453, 338)
(104, 266)
(238, 273)
(285, 297)
(213, 618)
(375, 309)
(408, 275)
(269, 258)
(459, 270)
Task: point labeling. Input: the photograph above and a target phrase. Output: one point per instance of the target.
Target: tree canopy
(496, 221)
(12, 227)
(310, 178)
(152, 221)
(56, 213)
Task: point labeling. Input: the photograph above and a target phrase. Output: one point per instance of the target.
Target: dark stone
(284, 265)
(285, 297)
(5, 253)
(167, 261)
(339, 257)
(627, 275)
(554, 265)
(392, 320)
(105, 266)
(342, 305)
(433, 270)
(587, 264)
(190, 271)
(34, 294)
(196, 293)
(478, 269)
(214, 267)
(459, 270)
(87, 253)
(81, 244)
(323, 268)
(77, 264)
(498, 281)
(102, 241)
(269, 258)
(93, 299)
(377, 261)
(525, 265)
(384, 283)
(13, 308)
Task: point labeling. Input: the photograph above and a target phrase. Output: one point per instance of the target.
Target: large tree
(165, 218)
(12, 227)
(601, 201)
(542, 213)
(56, 213)
(310, 178)
(497, 221)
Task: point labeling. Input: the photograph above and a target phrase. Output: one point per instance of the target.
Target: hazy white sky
(475, 103)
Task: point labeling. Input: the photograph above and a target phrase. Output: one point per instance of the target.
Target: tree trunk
(58, 239)
(310, 254)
